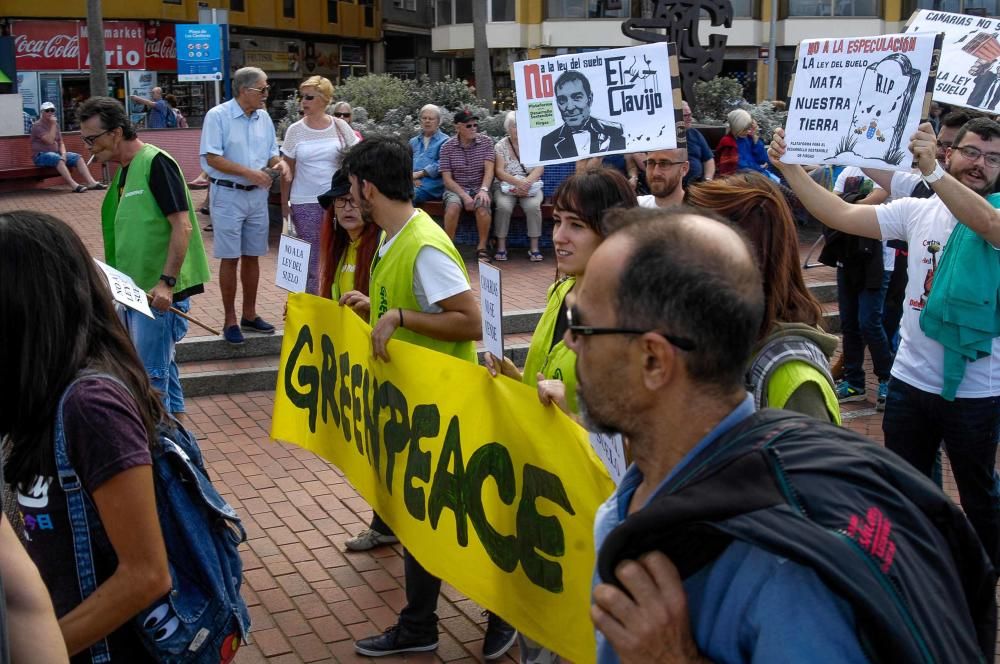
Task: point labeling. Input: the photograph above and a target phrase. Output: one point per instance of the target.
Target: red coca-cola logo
(161, 48)
(56, 46)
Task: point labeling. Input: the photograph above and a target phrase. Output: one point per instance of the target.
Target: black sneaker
(395, 640)
(499, 637)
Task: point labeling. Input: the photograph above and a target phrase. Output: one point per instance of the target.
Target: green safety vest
(391, 284)
(554, 361)
(137, 233)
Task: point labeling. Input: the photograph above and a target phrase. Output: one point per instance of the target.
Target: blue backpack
(203, 618)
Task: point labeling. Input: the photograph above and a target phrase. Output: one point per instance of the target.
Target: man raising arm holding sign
(920, 409)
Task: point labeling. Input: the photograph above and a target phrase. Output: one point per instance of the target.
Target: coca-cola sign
(161, 48)
(62, 45)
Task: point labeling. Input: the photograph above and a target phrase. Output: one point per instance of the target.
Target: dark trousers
(419, 616)
(861, 325)
(892, 309)
(914, 425)
(379, 526)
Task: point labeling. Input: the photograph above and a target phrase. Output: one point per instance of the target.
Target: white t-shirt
(436, 276)
(888, 253)
(903, 184)
(317, 154)
(648, 201)
(920, 360)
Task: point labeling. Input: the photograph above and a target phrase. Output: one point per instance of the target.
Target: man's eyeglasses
(308, 97)
(264, 90)
(944, 145)
(342, 115)
(572, 313)
(972, 154)
(341, 203)
(90, 140)
(662, 163)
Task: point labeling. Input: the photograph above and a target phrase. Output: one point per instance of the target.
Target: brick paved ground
(309, 597)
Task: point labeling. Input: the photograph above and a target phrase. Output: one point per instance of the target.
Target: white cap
(47, 105)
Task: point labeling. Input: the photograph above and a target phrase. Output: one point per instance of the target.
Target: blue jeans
(861, 325)
(914, 425)
(154, 340)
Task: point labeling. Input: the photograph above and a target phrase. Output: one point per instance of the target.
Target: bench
(517, 235)
(28, 173)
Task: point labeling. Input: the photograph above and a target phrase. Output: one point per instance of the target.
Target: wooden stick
(188, 318)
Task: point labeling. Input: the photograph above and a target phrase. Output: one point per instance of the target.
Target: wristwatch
(484, 189)
(169, 281)
(934, 175)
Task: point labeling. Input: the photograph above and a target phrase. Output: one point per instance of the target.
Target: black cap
(339, 186)
(463, 116)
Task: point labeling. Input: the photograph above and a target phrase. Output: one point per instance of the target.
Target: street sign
(199, 53)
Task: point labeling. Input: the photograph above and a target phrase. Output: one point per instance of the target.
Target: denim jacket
(427, 160)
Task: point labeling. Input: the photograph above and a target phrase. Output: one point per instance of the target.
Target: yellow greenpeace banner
(487, 488)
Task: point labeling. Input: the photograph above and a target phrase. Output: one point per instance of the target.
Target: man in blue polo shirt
(159, 109)
(701, 159)
(237, 143)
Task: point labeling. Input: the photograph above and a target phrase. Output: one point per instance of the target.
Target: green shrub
(377, 93)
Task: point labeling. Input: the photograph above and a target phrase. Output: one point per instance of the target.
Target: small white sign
(293, 264)
(611, 450)
(124, 289)
(492, 305)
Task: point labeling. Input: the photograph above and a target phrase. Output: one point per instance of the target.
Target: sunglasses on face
(472, 125)
(90, 140)
(575, 331)
(49, 110)
(262, 90)
(308, 97)
(341, 115)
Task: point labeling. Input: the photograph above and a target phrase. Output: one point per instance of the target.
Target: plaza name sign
(490, 490)
(857, 101)
(603, 102)
(969, 74)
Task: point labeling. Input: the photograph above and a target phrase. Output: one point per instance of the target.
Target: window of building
(833, 7)
(410, 5)
(502, 10)
(743, 9)
(173, 2)
(331, 11)
(443, 13)
(288, 8)
(369, 10)
(587, 8)
(237, 6)
(463, 12)
(971, 7)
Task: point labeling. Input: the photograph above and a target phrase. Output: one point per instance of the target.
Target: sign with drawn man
(969, 74)
(857, 101)
(590, 104)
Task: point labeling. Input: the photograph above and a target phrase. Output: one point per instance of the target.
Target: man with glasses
(665, 171)
(466, 166)
(238, 143)
(737, 536)
(701, 159)
(48, 150)
(150, 234)
(919, 412)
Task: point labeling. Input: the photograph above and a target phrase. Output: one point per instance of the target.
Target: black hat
(463, 116)
(339, 186)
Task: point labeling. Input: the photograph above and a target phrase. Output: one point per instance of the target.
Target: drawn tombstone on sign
(881, 110)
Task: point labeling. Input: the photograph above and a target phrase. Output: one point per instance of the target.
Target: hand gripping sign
(488, 489)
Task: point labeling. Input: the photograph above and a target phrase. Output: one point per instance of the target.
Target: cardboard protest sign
(293, 264)
(969, 73)
(488, 489)
(491, 303)
(610, 449)
(857, 101)
(604, 102)
(125, 290)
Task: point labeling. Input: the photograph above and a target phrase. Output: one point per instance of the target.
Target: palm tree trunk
(482, 66)
(95, 35)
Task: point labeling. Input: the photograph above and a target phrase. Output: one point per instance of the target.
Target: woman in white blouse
(313, 149)
(516, 185)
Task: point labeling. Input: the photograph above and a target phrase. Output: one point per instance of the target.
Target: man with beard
(580, 134)
(918, 413)
(421, 295)
(730, 536)
(665, 171)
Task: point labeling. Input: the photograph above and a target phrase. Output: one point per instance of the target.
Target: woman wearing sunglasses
(313, 149)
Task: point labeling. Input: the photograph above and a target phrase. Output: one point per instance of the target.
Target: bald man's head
(692, 276)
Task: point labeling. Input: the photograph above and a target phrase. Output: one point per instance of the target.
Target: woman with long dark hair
(57, 324)
(792, 315)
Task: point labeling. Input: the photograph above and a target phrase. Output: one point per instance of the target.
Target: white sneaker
(368, 539)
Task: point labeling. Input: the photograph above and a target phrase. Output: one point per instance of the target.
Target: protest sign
(970, 57)
(292, 264)
(490, 490)
(491, 302)
(597, 103)
(857, 101)
(610, 449)
(124, 289)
